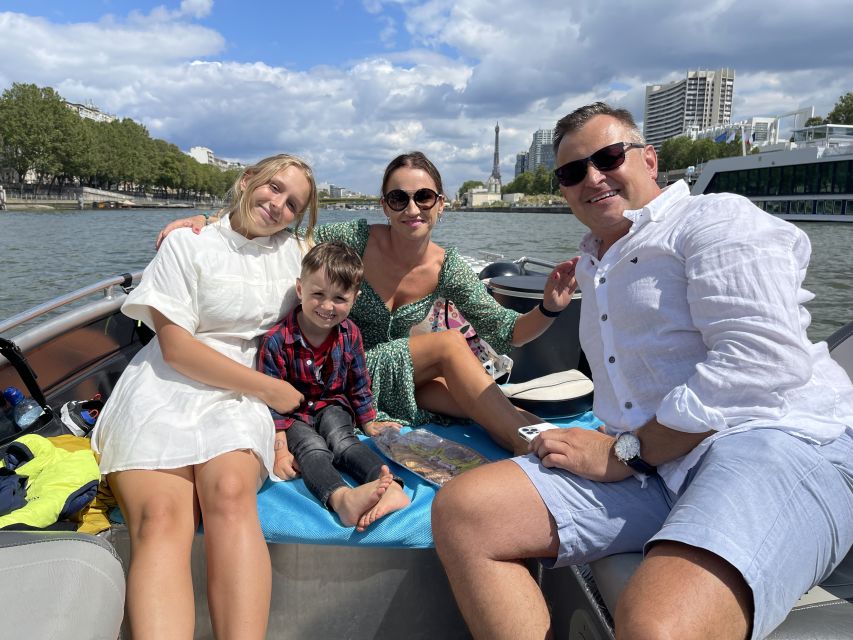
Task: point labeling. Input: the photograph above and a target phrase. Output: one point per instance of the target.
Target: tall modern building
(520, 163)
(541, 150)
(700, 101)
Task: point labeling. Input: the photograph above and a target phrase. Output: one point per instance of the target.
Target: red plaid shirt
(284, 353)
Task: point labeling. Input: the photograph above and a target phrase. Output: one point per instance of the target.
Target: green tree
(33, 123)
(540, 181)
(842, 113)
(467, 186)
(543, 180)
(39, 133)
(674, 153)
(814, 121)
(522, 184)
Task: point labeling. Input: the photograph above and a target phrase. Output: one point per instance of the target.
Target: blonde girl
(186, 434)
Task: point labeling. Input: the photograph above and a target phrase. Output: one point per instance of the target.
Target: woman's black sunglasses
(397, 200)
(605, 159)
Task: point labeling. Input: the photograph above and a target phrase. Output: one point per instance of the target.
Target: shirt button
(611, 359)
(628, 405)
(603, 280)
(603, 317)
(310, 403)
(308, 362)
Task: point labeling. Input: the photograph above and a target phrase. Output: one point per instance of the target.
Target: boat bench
(60, 585)
(825, 612)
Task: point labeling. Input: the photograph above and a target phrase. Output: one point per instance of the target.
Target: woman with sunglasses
(415, 377)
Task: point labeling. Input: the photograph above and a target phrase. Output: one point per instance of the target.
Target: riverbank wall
(88, 198)
(516, 209)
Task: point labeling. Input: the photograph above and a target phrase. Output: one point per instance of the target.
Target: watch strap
(641, 466)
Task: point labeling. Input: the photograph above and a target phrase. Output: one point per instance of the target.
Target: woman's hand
(560, 286)
(281, 395)
(285, 465)
(376, 427)
(196, 222)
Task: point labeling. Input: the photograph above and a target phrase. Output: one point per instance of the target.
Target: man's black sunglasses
(397, 200)
(605, 159)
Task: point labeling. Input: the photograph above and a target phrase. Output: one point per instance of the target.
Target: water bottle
(25, 411)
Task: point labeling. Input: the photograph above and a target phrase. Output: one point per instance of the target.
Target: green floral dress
(386, 333)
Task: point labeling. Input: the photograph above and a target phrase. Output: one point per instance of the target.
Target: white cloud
(196, 8)
(465, 65)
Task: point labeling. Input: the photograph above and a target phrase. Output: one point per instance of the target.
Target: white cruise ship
(806, 183)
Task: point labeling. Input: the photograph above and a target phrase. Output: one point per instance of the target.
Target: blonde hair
(260, 174)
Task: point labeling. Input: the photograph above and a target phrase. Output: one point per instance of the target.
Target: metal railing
(109, 287)
(524, 261)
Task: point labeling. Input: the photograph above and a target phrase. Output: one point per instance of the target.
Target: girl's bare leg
(161, 511)
(239, 576)
(450, 380)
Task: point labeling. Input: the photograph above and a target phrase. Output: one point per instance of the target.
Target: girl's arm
(196, 360)
(285, 465)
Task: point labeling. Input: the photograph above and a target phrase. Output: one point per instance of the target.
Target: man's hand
(376, 427)
(285, 465)
(560, 286)
(195, 222)
(584, 452)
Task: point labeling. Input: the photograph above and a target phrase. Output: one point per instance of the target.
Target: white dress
(227, 291)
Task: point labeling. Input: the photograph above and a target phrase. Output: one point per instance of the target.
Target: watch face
(627, 447)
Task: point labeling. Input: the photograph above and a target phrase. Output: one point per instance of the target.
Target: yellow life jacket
(59, 483)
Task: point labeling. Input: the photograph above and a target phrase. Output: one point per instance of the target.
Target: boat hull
(321, 591)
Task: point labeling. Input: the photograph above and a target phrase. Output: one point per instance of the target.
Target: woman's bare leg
(443, 359)
(161, 511)
(239, 576)
(436, 393)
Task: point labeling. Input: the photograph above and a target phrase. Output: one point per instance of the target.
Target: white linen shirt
(695, 317)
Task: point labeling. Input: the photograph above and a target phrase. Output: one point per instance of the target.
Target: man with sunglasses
(726, 432)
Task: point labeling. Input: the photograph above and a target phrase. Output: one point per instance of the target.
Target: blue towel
(289, 513)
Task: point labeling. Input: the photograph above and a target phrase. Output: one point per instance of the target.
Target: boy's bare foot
(350, 503)
(393, 499)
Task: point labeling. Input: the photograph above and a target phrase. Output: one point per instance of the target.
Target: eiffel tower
(496, 165)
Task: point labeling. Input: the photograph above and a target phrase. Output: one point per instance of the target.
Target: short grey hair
(580, 117)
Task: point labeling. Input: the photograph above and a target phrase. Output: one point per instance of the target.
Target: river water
(44, 254)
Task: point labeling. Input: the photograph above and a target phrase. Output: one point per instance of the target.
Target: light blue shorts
(779, 509)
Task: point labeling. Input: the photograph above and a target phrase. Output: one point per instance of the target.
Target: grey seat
(60, 585)
(823, 613)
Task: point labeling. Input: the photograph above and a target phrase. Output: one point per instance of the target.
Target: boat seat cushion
(60, 585)
(565, 393)
(290, 514)
(825, 612)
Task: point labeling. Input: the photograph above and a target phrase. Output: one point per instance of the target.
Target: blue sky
(348, 84)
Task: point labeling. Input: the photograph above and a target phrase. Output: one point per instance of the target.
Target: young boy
(319, 351)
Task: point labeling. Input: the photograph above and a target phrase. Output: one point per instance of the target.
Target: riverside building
(541, 150)
(700, 101)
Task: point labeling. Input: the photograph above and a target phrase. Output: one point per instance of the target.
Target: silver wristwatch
(627, 450)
